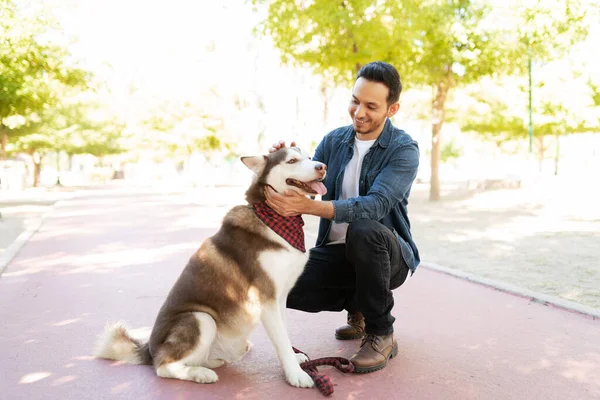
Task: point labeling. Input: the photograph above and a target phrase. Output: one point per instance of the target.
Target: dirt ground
(545, 237)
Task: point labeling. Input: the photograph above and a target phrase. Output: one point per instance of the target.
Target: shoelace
(372, 339)
(323, 382)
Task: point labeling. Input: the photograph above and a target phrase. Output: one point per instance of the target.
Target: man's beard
(367, 128)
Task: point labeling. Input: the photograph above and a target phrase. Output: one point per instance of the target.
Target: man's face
(368, 107)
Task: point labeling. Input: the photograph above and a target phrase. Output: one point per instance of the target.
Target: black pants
(356, 276)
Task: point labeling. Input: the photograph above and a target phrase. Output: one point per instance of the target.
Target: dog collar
(289, 228)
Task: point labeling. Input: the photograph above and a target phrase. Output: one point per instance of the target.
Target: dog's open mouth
(312, 187)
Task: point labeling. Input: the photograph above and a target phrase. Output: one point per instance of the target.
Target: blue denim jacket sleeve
(319, 152)
(389, 188)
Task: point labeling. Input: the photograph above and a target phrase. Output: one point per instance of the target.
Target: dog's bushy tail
(115, 343)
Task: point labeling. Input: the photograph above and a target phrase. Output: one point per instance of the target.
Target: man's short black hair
(379, 71)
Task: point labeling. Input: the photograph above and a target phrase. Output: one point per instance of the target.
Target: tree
(494, 117)
(72, 126)
(31, 65)
(441, 44)
(182, 129)
(86, 127)
(496, 125)
(557, 120)
(491, 110)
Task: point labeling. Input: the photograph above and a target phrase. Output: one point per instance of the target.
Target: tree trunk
(58, 183)
(354, 46)
(358, 66)
(37, 166)
(541, 153)
(440, 92)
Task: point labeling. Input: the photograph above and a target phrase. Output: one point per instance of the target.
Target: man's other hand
(278, 145)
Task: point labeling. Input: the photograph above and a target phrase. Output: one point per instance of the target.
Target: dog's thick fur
(237, 278)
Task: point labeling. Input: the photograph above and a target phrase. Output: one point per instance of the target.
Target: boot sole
(366, 370)
(339, 337)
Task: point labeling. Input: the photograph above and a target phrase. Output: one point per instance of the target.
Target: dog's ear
(255, 163)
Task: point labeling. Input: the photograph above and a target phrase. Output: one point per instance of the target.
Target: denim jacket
(386, 178)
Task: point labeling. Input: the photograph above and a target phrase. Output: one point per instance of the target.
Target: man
(364, 247)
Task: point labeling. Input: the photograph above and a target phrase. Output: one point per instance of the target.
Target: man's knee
(295, 299)
(362, 229)
(316, 300)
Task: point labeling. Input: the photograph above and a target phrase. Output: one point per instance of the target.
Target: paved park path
(114, 254)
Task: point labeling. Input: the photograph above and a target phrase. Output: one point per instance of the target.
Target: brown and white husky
(237, 278)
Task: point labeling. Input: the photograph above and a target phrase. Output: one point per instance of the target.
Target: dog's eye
(293, 160)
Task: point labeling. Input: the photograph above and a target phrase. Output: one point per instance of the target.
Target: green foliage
(549, 28)
(32, 68)
(495, 120)
(450, 150)
(30, 64)
(181, 129)
(594, 92)
(72, 126)
(426, 40)
(556, 119)
(496, 116)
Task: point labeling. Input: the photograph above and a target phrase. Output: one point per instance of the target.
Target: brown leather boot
(374, 353)
(355, 329)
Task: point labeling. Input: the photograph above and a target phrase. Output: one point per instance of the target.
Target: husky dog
(237, 278)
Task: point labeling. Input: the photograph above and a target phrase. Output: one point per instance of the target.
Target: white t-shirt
(337, 234)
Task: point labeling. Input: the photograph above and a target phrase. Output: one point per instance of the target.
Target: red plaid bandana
(289, 228)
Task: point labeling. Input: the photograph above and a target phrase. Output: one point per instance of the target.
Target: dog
(238, 278)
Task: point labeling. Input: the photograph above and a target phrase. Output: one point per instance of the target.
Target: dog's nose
(321, 167)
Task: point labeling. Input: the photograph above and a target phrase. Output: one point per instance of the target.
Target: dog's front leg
(273, 322)
(300, 357)
(283, 310)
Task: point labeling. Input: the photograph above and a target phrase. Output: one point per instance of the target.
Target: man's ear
(255, 163)
(393, 109)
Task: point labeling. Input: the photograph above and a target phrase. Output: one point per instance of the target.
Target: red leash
(323, 382)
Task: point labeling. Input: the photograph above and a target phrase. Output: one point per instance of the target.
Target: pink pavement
(114, 256)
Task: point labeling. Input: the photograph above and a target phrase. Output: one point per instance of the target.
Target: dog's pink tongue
(318, 187)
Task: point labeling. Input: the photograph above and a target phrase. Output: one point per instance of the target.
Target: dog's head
(288, 168)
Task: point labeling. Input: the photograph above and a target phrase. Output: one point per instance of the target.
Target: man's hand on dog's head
(279, 145)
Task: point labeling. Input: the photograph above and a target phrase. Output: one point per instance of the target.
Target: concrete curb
(15, 247)
(518, 291)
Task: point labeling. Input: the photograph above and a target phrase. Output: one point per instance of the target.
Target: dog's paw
(300, 379)
(204, 375)
(301, 358)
